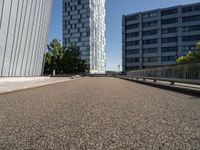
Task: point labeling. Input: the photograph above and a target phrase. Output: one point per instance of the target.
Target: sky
(114, 11)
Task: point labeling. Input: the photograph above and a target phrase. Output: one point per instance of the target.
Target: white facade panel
(24, 29)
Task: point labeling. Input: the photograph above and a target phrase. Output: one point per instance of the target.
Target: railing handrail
(167, 66)
(186, 81)
(189, 72)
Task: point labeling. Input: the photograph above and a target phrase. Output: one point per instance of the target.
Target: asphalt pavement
(99, 114)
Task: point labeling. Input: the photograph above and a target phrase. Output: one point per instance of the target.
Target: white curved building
(24, 27)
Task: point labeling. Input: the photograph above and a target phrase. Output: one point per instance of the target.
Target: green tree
(48, 65)
(191, 56)
(72, 60)
(197, 53)
(63, 60)
(57, 55)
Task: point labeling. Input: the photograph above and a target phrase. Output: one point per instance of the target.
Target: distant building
(157, 37)
(84, 25)
(24, 27)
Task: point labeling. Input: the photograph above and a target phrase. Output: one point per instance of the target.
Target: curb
(35, 87)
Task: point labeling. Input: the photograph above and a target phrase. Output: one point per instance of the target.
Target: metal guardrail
(182, 73)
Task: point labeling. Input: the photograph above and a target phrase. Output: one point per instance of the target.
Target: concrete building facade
(157, 37)
(84, 25)
(24, 27)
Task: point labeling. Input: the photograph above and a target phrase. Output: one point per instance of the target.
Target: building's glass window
(191, 28)
(72, 8)
(191, 38)
(132, 26)
(169, 21)
(169, 12)
(150, 59)
(150, 50)
(65, 25)
(191, 18)
(191, 9)
(149, 15)
(73, 26)
(168, 58)
(132, 43)
(169, 30)
(68, 31)
(150, 24)
(149, 33)
(170, 49)
(131, 60)
(133, 34)
(151, 41)
(145, 16)
(132, 51)
(169, 40)
(131, 18)
(67, 40)
(189, 48)
(88, 33)
(85, 53)
(132, 68)
(66, 5)
(154, 14)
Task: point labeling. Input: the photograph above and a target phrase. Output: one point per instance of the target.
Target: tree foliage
(191, 56)
(63, 60)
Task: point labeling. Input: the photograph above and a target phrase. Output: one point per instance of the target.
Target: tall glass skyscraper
(84, 25)
(24, 26)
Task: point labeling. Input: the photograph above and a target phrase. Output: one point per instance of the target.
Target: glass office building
(157, 37)
(84, 25)
(24, 27)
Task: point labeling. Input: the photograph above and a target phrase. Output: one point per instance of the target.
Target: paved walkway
(15, 84)
(99, 113)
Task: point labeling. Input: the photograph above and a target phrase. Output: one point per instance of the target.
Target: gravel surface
(99, 113)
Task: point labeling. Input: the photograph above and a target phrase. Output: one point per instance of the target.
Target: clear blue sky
(115, 10)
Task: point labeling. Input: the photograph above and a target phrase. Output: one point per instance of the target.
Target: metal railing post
(173, 72)
(184, 72)
(199, 72)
